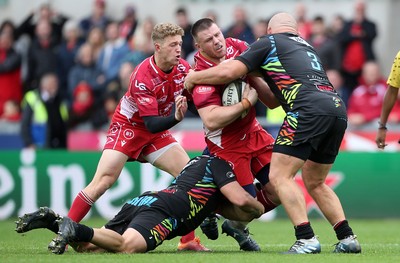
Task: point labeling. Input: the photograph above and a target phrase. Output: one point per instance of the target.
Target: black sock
(304, 231)
(83, 233)
(343, 230)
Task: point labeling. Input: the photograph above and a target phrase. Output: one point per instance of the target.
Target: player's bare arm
(217, 117)
(223, 73)
(242, 206)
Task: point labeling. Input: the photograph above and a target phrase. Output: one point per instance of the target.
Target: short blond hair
(163, 30)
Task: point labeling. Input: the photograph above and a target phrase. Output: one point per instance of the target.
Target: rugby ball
(233, 92)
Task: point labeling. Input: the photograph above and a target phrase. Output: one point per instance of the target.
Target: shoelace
(296, 246)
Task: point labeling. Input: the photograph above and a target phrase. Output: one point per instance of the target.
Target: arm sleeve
(158, 123)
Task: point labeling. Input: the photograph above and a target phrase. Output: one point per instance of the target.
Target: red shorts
(135, 143)
(248, 156)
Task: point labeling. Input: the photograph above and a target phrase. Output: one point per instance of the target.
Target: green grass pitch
(380, 241)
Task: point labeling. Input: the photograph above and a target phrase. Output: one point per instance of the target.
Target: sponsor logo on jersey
(162, 99)
(156, 81)
(230, 174)
(229, 50)
(140, 85)
(179, 81)
(204, 89)
(145, 101)
(181, 67)
(129, 134)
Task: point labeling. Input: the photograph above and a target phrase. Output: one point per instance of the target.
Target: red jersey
(206, 95)
(151, 92)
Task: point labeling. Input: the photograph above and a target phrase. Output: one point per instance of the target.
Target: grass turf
(380, 241)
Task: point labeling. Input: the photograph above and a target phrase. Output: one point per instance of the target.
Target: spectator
(335, 78)
(113, 53)
(212, 15)
(182, 19)
(260, 28)
(366, 101)
(356, 40)
(66, 54)
(336, 26)
(240, 28)
(42, 55)
(97, 18)
(96, 39)
(326, 48)
(11, 111)
(141, 43)
(10, 71)
(44, 116)
(304, 25)
(129, 23)
(45, 13)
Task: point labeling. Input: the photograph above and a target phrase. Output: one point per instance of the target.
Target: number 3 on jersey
(315, 64)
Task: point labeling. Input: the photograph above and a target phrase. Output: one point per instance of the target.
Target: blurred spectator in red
(129, 23)
(11, 111)
(240, 28)
(10, 71)
(366, 101)
(356, 41)
(45, 13)
(85, 71)
(96, 39)
(182, 20)
(304, 26)
(113, 53)
(42, 54)
(327, 48)
(97, 18)
(44, 116)
(66, 54)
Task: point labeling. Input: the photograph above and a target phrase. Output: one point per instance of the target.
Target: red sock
(188, 237)
(267, 203)
(80, 207)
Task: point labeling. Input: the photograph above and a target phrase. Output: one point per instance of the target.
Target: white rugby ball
(233, 93)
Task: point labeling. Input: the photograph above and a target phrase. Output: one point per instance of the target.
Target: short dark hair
(201, 25)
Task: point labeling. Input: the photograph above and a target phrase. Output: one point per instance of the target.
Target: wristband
(246, 103)
(382, 126)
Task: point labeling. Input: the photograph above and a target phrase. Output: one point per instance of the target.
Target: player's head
(209, 39)
(167, 39)
(282, 23)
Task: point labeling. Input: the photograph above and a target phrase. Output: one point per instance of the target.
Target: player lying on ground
(205, 185)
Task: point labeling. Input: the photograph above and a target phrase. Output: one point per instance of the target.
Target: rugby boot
(44, 217)
(209, 227)
(243, 238)
(349, 244)
(305, 246)
(192, 245)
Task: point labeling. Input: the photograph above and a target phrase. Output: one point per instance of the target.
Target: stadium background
(366, 180)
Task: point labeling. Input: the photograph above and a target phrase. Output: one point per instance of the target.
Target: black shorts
(317, 139)
(154, 225)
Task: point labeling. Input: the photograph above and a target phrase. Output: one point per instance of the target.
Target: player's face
(169, 50)
(211, 43)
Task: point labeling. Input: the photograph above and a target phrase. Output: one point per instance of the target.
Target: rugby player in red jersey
(139, 127)
(240, 140)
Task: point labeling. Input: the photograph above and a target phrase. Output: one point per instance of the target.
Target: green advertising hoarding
(366, 183)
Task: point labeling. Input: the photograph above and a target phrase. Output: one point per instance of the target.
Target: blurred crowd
(59, 74)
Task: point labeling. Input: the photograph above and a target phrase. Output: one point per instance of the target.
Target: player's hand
(188, 84)
(180, 107)
(380, 139)
(251, 94)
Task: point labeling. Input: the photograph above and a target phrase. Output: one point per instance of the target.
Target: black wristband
(382, 126)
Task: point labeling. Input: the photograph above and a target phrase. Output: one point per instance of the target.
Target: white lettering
(59, 177)
(28, 182)
(6, 187)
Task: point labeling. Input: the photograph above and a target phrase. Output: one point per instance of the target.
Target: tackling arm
(241, 206)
